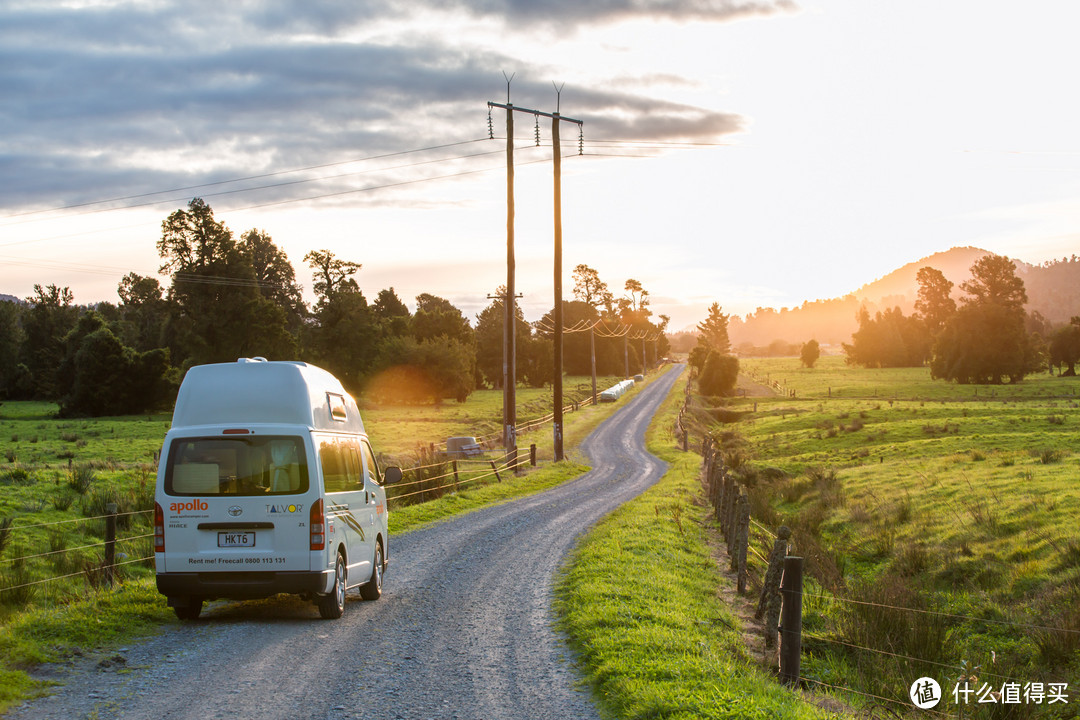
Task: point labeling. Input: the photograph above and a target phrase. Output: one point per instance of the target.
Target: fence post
(732, 517)
(742, 539)
(455, 476)
(110, 543)
(495, 470)
(791, 621)
(514, 461)
(532, 455)
(771, 584)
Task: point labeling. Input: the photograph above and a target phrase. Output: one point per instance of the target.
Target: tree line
(229, 297)
(988, 338)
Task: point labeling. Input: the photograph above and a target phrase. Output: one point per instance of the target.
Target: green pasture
(910, 492)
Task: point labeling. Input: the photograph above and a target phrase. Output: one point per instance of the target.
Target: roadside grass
(638, 602)
(926, 497)
(535, 480)
(56, 633)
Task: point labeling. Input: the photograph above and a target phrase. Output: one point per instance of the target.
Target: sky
(754, 153)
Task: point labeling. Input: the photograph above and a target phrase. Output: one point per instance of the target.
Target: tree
(719, 374)
(332, 275)
(220, 312)
(1065, 347)
(391, 314)
(714, 330)
(490, 328)
(589, 288)
(635, 306)
(143, 311)
(192, 240)
(437, 317)
(985, 341)
(810, 353)
(418, 371)
(14, 376)
(983, 344)
(274, 274)
(51, 316)
(934, 304)
(888, 340)
(994, 282)
(101, 376)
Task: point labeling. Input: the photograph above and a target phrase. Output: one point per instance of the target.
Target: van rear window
(239, 466)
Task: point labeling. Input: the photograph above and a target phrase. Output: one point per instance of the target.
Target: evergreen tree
(714, 330)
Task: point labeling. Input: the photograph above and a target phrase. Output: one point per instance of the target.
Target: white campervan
(267, 484)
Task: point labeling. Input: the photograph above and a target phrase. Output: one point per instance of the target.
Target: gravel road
(463, 629)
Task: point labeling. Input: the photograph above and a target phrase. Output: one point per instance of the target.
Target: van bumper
(243, 585)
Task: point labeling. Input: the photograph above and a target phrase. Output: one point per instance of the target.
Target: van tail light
(159, 529)
(318, 526)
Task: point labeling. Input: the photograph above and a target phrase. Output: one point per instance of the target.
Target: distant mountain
(1053, 290)
(9, 298)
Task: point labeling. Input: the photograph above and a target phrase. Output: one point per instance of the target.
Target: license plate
(236, 539)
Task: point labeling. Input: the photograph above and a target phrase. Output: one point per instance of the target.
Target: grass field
(922, 494)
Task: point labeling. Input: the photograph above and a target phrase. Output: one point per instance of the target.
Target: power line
(281, 202)
(260, 187)
(243, 179)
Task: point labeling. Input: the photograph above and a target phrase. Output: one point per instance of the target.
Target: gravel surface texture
(463, 630)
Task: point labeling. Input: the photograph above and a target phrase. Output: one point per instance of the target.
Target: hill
(1053, 291)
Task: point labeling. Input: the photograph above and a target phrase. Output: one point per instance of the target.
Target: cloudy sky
(753, 153)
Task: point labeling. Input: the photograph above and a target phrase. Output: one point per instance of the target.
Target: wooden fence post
(455, 476)
(771, 584)
(732, 516)
(495, 470)
(742, 539)
(110, 543)
(791, 621)
(532, 455)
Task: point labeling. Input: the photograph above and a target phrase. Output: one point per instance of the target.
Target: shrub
(19, 475)
(719, 374)
(1048, 456)
(80, 478)
(16, 590)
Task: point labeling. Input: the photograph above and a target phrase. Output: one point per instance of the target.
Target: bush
(80, 478)
(719, 374)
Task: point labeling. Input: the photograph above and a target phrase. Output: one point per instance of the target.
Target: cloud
(123, 99)
(562, 12)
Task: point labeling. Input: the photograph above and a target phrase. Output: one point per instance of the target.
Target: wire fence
(911, 648)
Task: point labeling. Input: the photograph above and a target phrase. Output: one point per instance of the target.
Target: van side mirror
(392, 475)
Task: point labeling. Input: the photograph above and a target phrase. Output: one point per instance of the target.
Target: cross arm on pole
(508, 106)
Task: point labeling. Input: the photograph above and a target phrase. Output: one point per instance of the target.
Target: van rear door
(238, 501)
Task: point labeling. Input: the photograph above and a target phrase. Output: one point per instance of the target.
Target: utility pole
(509, 402)
(592, 354)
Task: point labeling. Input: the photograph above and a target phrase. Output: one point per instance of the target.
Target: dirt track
(463, 629)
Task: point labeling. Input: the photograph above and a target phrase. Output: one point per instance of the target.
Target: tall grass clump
(80, 478)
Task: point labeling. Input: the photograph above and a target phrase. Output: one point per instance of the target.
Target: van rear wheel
(332, 606)
(372, 589)
(190, 611)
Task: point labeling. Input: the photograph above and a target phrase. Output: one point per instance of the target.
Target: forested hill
(1053, 290)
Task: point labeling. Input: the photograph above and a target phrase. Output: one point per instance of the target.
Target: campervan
(267, 484)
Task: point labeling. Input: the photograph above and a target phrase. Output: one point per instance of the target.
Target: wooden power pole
(509, 369)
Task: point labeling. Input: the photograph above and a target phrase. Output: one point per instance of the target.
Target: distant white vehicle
(268, 484)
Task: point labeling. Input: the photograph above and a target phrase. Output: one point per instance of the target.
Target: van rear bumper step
(243, 585)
